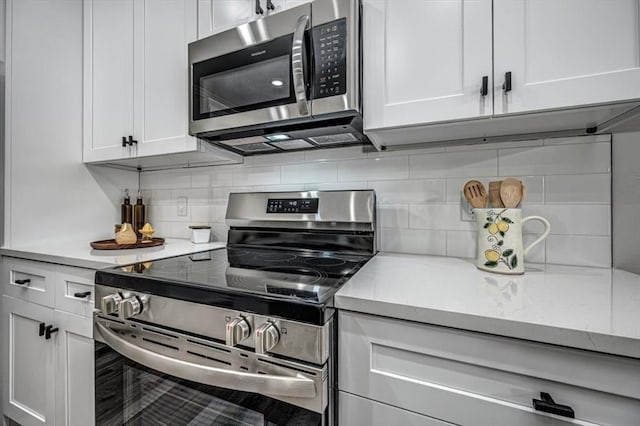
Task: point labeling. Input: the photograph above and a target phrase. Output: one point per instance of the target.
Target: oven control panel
(330, 49)
(289, 205)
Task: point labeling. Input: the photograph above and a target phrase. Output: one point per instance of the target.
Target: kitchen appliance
(288, 81)
(241, 335)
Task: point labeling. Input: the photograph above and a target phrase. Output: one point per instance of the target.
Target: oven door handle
(298, 386)
(297, 65)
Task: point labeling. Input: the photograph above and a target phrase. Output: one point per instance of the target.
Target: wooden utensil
(524, 194)
(494, 194)
(475, 194)
(511, 192)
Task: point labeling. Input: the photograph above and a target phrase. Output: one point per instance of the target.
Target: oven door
(253, 74)
(150, 376)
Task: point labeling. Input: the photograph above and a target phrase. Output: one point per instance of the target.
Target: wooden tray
(111, 244)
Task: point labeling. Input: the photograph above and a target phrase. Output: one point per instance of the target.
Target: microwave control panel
(300, 205)
(330, 48)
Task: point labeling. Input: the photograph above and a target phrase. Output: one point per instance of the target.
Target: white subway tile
(577, 219)
(336, 186)
(352, 152)
(570, 189)
(200, 214)
(400, 151)
(369, 169)
(278, 159)
(393, 215)
(461, 244)
(163, 229)
(555, 160)
(221, 178)
(221, 195)
(180, 230)
(454, 164)
(174, 179)
(409, 191)
(148, 180)
(278, 188)
(218, 213)
(579, 250)
(537, 253)
(578, 139)
(310, 172)
(200, 178)
(219, 232)
(256, 176)
(438, 216)
(413, 241)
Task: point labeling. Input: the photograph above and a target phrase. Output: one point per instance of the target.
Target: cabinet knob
(131, 141)
(506, 86)
(270, 5)
(548, 405)
(23, 282)
(484, 91)
(48, 331)
(41, 332)
(259, 10)
(124, 141)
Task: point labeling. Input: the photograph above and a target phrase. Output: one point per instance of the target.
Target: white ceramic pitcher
(500, 247)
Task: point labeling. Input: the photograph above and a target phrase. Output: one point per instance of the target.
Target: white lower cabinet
(469, 378)
(48, 354)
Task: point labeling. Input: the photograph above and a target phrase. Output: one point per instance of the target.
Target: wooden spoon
(524, 194)
(494, 194)
(511, 192)
(475, 194)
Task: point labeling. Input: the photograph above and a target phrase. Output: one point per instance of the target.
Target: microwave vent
(255, 147)
(334, 139)
(292, 144)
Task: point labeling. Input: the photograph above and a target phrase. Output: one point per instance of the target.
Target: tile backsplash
(418, 193)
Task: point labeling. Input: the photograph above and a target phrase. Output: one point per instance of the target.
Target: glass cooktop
(242, 278)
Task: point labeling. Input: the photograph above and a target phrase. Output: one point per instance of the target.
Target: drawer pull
(49, 330)
(23, 282)
(82, 295)
(41, 332)
(548, 405)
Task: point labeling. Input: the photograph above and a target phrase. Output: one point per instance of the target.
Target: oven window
(128, 393)
(252, 78)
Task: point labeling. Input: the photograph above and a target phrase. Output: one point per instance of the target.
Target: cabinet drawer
(473, 378)
(74, 290)
(29, 280)
(358, 411)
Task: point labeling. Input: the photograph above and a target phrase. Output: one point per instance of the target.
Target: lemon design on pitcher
(497, 226)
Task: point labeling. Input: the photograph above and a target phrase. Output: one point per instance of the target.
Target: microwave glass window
(257, 83)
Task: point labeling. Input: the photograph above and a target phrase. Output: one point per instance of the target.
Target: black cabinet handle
(41, 332)
(506, 86)
(270, 5)
(259, 10)
(23, 282)
(548, 405)
(82, 295)
(124, 141)
(131, 141)
(49, 330)
(484, 91)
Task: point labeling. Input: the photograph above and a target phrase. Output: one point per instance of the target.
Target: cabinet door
(75, 404)
(219, 15)
(28, 368)
(565, 53)
(109, 64)
(166, 27)
(424, 61)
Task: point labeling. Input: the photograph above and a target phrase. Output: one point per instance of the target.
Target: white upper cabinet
(169, 25)
(565, 53)
(109, 66)
(426, 61)
(215, 16)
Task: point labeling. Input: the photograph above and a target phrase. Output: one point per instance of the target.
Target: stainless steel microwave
(285, 82)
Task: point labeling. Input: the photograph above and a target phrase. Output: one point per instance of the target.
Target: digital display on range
(290, 205)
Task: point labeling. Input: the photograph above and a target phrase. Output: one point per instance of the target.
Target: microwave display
(329, 45)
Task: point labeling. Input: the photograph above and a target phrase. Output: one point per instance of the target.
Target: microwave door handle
(298, 386)
(297, 65)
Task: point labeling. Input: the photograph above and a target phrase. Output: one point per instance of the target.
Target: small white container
(200, 234)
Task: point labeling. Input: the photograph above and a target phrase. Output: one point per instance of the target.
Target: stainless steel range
(243, 335)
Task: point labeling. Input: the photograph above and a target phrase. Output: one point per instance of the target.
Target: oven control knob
(267, 337)
(130, 307)
(109, 303)
(238, 330)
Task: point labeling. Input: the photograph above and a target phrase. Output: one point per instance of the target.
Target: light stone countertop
(80, 253)
(596, 309)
